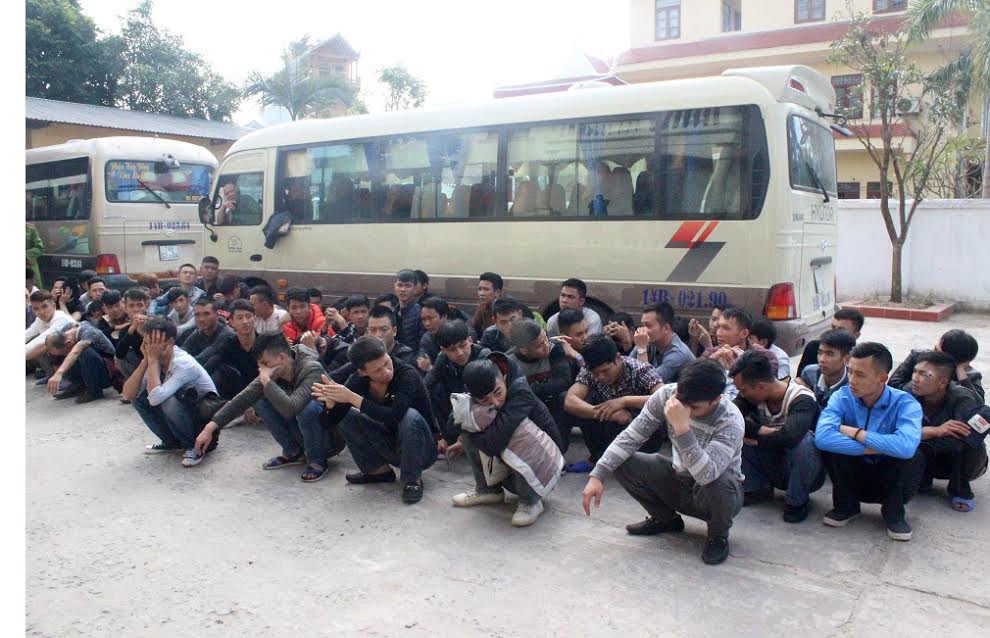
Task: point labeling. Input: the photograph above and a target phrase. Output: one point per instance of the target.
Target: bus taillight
(780, 303)
(107, 265)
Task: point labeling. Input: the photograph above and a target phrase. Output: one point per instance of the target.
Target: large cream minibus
(117, 205)
(701, 192)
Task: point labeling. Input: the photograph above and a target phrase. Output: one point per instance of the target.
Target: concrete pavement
(124, 544)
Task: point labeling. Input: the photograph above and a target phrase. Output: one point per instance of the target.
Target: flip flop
(963, 505)
(279, 462)
(312, 474)
(581, 467)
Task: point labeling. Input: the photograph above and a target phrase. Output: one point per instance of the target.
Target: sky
(463, 49)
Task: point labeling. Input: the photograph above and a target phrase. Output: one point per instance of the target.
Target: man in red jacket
(303, 316)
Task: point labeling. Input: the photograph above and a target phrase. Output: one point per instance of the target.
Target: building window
(809, 10)
(849, 95)
(880, 6)
(731, 15)
(848, 190)
(668, 19)
(873, 190)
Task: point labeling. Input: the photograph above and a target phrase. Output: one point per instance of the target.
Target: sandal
(313, 473)
(279, 462)
(963, 505)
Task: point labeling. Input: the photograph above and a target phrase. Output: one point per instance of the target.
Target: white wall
(947, 251)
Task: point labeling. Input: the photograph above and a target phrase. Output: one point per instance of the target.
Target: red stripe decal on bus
(705, 234)
(686, 232)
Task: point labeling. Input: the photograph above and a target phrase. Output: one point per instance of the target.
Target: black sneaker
(716, 550)
(651, 526)
(360, 478)
(86, 397)
(838, 518)
(796, 513)
(412, 492)
(899, 530)
(71, 391)
(757, 496)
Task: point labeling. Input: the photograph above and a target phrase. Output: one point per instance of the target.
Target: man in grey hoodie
(703, 480)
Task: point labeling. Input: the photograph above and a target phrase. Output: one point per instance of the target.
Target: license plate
(819, 274)
(168, 253)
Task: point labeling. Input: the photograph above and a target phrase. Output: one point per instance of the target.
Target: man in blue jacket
(869, 435)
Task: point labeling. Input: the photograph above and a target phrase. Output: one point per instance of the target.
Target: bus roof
(122, 147)
(796, 83)
(613, 100)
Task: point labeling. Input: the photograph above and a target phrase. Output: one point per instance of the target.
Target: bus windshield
(812, 155)
(136, 181)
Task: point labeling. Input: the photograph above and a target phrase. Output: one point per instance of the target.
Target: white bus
(117, 205)
(700, 192)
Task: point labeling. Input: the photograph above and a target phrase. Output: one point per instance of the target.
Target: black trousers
(874, 479)
(950, 458)
(598, 435)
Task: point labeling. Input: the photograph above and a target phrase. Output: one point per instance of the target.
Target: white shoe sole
(899, 536)
(495, 499)
(530, 519)
(831, 522)
(192, 463)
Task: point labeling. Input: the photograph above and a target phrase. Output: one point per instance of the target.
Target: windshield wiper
(157, 196)
(818, 182)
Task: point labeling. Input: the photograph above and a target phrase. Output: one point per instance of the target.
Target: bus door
(58, 202)
(235, 212)
(150, 214)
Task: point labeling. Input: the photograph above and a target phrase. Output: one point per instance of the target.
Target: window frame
(727, 4)
(790, 174)
(503, 131)
(811, 17)
(870, 186)
(89, 190)
(667, 10)
(888, 9)
(106, 191)
(261, 202)
(848, 185)
(858, 114)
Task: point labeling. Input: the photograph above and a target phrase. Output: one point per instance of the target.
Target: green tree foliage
(65, 58)
(298, 91)
(908, 127)
(404, 90)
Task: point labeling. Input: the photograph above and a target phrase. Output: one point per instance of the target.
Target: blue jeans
(372, 444)
(798, 470)
(172, 421)
(515, 483)
(90, 371)
(302, 433)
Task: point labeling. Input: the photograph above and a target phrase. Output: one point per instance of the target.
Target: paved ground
(123, 544)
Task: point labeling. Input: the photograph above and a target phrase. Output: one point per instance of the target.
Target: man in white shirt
(47, 320)
(164, 389)
(268, 318)
(572, 296)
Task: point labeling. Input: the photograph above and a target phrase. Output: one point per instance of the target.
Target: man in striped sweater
(703, 480)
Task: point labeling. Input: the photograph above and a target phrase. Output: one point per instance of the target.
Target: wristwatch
(641, 350)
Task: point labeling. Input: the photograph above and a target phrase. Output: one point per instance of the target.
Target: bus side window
(615, 153)
(240, 199)
(544, 174)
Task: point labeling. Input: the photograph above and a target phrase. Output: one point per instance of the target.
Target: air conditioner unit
(908, 106)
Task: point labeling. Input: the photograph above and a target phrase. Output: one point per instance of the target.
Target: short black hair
(93, 307)
(681, 328)
(876, 351)
(265, 293)
(96, 280)
(314, 292)
(850, 314)
(480, 377)
(763, 328)
(205, 300)
(599, 350)
(241, 304)
(523, 332)
(664, 312)
(162, 325)
(623, 318)
(406, 276)
(388, 298)
(742, 318)
(379, 312)
(573, 282)
(364, 350)
(86, 273)
(111, 297)
(942, 362)
(41, 295)
(136, 294)
(754, 366)
(421, 277)
(356, 301)
(228, 284)
(700, 380)
(270, 343)
(451, 333)
(193, 266)
(493, 278)
(439, 304)
(297, 294)
(960, 345)
(209, 259)
(568, 318)
(173, 294)
(838, 339)
(505, 305)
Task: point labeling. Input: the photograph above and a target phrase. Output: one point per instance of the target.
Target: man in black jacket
(958, 344)
(384, 414)
(779, 449)
(489, 383)
(456, 350)
(546, 368)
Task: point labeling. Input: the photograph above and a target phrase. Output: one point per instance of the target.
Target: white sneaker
(192, 458)
(473, 497)
(527, 514)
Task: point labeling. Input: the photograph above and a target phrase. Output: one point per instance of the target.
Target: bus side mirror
(204, 210)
